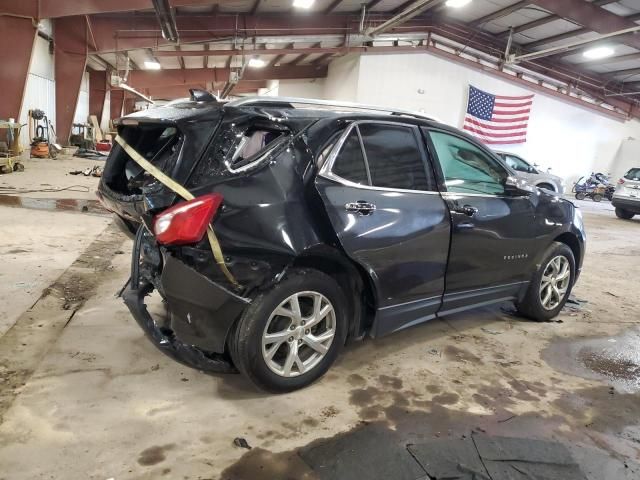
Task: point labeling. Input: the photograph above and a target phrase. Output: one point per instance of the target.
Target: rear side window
(394, 157)
(391, 158)
(249, 146)
(349, 163)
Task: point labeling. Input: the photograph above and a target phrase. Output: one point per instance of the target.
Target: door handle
(468, 210)
(361, 207)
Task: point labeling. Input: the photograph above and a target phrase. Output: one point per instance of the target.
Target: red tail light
(186, 222)
(621, 181)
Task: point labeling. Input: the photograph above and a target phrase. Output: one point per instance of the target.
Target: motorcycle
(596, 187)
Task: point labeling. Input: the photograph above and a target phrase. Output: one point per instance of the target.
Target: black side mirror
(517, 187)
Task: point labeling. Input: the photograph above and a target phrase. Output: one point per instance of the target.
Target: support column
(18, 36)
(97, 92)
(70, 63)
(117, 101)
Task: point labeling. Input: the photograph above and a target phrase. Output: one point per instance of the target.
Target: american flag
(497, 119)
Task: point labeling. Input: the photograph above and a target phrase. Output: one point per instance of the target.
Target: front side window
(394, 157)
(633, 174)
(349, 163)
(466, 168)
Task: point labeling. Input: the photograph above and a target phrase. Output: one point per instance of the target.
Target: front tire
(291, 334)
(551, 285)
(624, 214)
(580, 196)
(597, 197)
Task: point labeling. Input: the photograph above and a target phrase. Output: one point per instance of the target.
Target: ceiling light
(152, 65)
(598, 52)
(303, 3)
(457, 3)
(255, 62)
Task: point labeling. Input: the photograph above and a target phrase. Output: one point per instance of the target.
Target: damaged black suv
(275, 230)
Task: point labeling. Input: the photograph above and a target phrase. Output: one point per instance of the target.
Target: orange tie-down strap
(185, 194)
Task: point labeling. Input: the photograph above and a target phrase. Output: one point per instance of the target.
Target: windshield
(633, 174)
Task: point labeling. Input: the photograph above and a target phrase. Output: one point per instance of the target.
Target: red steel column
(18, 35)
(97, 92)
(117, 101)
(70, 62)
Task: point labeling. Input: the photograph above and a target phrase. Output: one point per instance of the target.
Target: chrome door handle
(361, 207)
(468, 210)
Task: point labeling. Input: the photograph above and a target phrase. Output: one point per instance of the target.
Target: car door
(381, 197)
(493, 231)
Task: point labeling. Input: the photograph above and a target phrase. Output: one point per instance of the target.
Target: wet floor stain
(154, 455)
(457, 354)
(616, 360)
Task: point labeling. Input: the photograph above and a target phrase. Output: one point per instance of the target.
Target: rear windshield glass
(159, 144)
(633, 174)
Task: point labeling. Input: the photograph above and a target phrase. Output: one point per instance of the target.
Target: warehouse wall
(570, 139)
(40, 88)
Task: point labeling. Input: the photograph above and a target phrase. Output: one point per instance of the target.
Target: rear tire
(549, 288)
(580, 196)
(597, 197)
(624, 214)
(261, 344)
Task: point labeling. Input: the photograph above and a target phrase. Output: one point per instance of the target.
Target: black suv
(308, 224)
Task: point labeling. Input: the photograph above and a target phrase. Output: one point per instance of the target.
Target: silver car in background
(532, 175)
(626, 198)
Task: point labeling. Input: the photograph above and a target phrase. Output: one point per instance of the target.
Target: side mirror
(517, 187)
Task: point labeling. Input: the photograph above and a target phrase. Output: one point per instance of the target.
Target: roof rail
(265, 100)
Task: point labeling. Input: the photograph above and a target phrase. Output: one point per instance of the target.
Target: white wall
(570, 139)
(82, 107)
(307, 88)
(40, 90)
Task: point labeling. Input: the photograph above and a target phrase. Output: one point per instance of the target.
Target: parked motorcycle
(596, 187)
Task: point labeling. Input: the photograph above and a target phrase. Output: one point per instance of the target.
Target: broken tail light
(186, 222)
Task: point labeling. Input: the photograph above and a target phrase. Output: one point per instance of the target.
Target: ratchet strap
(185, 194)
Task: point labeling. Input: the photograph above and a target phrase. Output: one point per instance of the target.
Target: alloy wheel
(555, 282)
(298, 334)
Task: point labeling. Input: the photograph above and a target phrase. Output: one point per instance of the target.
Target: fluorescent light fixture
(255, 62)
(303, 3)
(152, 65)
(457, 3)
(598, 52)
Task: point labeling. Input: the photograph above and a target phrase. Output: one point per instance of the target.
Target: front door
(493, 232)
(381, 197)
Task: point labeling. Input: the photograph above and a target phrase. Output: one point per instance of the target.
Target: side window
(517, 164)
(466, 168)
(349, 163)
(394, 157)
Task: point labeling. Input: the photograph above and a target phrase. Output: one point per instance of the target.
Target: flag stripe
(514, 112)
(515, 133)
(478, 124)
(507, 104)
(504, 97)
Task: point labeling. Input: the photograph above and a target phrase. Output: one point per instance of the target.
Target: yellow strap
(184, 193)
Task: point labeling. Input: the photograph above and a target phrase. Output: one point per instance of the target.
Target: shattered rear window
(250, 146)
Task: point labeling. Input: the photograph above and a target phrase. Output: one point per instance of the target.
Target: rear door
(380, 194)
(493, 238)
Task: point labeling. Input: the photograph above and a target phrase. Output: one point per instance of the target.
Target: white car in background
(531, 174)
(626, 198)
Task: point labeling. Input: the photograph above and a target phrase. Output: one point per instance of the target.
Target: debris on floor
(88, 153)
(241, 443)
(95, 171)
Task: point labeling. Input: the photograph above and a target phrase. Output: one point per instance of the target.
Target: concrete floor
(85, 395)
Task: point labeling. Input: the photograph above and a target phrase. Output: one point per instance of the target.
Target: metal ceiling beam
(628, 73)
(255, 7)
(301, 57)
(548, 19)
(140, 79)
(591, 17)
(166, 20)
(205, 57)
(280, 56)
(500, 13)
(249, 51)
(412, 10)
(332, 6)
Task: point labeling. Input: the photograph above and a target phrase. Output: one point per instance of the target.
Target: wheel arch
(547, 185)
(570, 240)
(355, 282)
